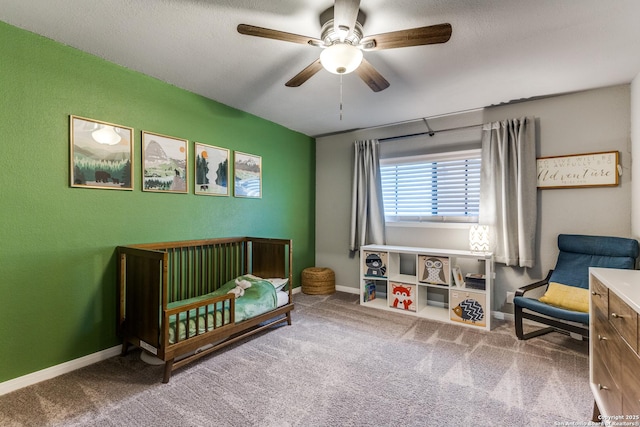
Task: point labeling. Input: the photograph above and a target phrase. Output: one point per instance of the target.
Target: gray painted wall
(584, 122)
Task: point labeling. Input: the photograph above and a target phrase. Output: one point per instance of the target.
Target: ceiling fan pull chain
(340, 97)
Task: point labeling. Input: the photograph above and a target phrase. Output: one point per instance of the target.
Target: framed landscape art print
(211, 170)
(164, 163)
(247, 179)
(101, 154)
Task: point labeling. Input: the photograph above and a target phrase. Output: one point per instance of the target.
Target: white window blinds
(435, 187)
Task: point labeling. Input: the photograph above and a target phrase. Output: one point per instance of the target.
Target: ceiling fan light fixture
(341, 58)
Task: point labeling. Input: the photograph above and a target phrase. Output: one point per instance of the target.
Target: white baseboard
(347, 289)
(502, 316)
(54, 371)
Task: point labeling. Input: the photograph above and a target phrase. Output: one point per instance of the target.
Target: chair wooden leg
(125, 348)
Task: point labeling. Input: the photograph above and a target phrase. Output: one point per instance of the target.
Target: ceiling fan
(343, 41)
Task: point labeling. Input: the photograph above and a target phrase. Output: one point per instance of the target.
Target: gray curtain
(367, 209)
(508, 189)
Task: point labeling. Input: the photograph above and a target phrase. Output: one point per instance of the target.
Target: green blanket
(257, 299)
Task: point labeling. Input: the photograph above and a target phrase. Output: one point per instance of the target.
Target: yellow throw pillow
(567, 297)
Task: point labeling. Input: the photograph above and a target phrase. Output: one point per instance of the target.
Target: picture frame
(247, 175)
(164, 163)
(457, 276)
(211, 170)
(579, 170)
(101, 154)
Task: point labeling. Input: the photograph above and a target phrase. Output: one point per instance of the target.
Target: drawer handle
(602, 387)
(594, 293)
(617, 316)
(602, 337)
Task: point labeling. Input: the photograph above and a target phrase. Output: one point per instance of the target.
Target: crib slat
(202, 308)
(185, 272)
(198, 272)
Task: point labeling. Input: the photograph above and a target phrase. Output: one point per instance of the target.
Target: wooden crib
(164, 288)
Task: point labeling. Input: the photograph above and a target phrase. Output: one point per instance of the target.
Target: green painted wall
(57, 243)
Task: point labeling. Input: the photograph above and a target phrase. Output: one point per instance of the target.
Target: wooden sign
(578, 170)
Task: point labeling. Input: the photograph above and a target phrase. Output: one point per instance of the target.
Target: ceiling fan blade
(420, 36)
(371, 76)
(305, 74)
(345, 14)
(251, 30)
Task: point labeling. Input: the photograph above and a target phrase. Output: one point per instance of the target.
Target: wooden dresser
(614, 364)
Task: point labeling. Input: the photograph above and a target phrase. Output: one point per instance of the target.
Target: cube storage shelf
(429, 289)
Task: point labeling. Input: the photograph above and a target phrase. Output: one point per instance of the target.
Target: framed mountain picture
(164, 163)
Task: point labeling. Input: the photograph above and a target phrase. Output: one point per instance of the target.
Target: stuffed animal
(241, 285)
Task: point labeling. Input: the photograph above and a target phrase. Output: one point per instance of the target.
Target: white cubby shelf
(420, 282)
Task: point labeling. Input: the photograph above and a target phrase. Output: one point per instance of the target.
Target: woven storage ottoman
(318, 281)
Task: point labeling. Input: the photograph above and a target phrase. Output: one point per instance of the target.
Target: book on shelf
(369, 292)
(475, 281)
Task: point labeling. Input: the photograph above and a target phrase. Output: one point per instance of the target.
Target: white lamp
(341, 58)
(106, 135)
(479, 238)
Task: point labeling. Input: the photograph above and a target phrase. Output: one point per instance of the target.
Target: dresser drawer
(599, 298)
(605, 388)
(607, 346)
(624, 319)
(630, 365)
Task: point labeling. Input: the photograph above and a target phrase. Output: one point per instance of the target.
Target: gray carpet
(339, 364)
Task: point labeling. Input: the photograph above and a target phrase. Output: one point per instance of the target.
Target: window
(434, 187)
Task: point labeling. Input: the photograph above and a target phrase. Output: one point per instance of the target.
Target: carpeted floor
(339, 364)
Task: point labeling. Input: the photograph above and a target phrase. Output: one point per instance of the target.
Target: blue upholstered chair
(577, 254)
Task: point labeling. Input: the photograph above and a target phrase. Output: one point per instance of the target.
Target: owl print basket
(434, 270)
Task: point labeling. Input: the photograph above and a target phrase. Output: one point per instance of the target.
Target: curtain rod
(438, 116)
(430, 132)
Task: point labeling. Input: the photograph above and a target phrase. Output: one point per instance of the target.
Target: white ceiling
(499, 51)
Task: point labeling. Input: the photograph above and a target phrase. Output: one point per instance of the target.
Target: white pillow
(277, 283)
